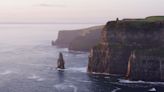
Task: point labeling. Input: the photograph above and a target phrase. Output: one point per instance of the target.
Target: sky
(76, 11)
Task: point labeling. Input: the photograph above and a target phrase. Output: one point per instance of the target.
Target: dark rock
(120, 39)
(144, 66)
(103, 59)
(60, 62)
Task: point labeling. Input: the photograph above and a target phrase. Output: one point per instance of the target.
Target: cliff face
(86, 40)
(119, 40)
(146, 65)
(65, 38)
(79, 40)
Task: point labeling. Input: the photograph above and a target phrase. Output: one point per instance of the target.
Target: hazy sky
(79, 11)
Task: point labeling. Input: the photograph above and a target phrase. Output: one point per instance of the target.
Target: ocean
(28, 64)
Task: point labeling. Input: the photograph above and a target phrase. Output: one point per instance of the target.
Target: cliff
(147, 65)
(79, 40)
(65, 37)
(131, 48)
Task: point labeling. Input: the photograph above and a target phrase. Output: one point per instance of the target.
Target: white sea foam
(104, 74)
(38, 65)
(60, 86)
(152, 90)
(63, 86)
(128, 81)
(6, 72)
(60, 69)
(62, 49)
(85, 81)
(81, 55)
(74, 88)
(35, 77)
(40, 79)
(78, 52)
(76, 69)
(117, 89)
(140, 81)
(79, 80)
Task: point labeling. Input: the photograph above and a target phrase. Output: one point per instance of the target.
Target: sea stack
(60, 62)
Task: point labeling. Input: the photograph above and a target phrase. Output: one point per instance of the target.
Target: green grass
(155, 18)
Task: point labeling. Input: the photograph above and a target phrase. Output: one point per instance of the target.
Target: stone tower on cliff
(60, 62)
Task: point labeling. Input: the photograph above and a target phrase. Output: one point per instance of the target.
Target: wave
(37, 65)
(106, 74)
(84, 81)
(80, 80)
(35, 77)
(74, 88)
(115, 90)
(59, 86)
(140, 81)
(62, 49)
(40, 79)
(64, 86)
(77, 52)
(152, 90)
(76, 69)
(6, 72)
(60, 69)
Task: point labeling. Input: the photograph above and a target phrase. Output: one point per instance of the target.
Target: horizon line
(48, 23)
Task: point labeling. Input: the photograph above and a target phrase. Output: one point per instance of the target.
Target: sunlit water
(28, 64)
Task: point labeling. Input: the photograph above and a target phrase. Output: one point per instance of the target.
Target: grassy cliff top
(148, 24)
(134, 25)
(150, 19)
(155, 18)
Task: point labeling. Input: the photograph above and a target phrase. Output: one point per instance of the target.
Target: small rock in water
(60, 62)
(152, 90)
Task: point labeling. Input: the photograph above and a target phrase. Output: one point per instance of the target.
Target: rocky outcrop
(131, 48)
(79, 40)
(60, 62)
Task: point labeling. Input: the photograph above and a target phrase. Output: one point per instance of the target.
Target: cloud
(51, 5)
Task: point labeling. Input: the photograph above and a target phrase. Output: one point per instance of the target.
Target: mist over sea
(28, 64)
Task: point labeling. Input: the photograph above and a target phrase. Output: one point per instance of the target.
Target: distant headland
(80, 39)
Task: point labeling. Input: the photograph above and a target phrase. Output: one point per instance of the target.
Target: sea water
(28, 64)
